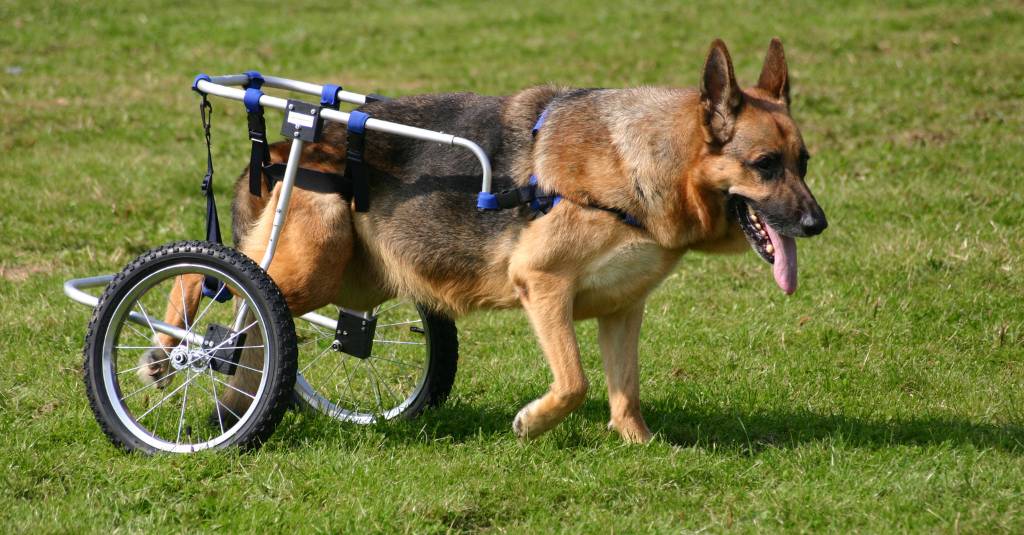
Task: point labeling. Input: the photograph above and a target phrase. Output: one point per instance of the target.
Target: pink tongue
(784, 267)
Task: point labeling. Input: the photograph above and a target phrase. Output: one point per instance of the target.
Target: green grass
(885, 396)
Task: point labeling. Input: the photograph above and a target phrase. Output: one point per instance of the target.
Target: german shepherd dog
(704, 169)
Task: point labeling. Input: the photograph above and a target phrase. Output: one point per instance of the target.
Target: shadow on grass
(754, 431)
(744, 430)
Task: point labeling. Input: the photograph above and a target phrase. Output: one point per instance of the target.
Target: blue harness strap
(538, 199)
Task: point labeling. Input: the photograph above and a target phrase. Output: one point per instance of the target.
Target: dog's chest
(626, 272)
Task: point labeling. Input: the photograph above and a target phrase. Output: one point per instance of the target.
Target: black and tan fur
(669, 157)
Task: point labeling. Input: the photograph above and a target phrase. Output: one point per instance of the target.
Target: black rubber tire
(443, 358)
(443, 347)
(269, 408)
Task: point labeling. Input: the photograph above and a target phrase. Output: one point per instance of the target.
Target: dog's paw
(521, 423)
(632, 432)
(153, 367)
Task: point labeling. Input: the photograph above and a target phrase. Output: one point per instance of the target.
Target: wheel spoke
(137, 331)
(184, 309)
(205, 309)
(376, 389)
(184, 402)
(216, 400)
(151, 385)
(239, 364)
(165, 398)
(348, 381)
(399, 342)
(376, 373)
(143, 366)
(410, 322)
(232, 387)
(318, 357)
(146, 315)
(219, 405)
(378, 311)
(396, 361)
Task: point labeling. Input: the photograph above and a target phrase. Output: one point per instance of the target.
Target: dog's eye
(768, 166)
(802, 164)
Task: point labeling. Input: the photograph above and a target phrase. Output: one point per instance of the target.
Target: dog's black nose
(813, 222)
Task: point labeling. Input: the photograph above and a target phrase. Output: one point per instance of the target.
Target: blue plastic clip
(329, 96)
(255, 79)
(199, 77)
(486, 201)
(357, 122)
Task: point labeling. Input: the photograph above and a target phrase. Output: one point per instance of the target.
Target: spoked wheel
(411, 365)
(214, 377)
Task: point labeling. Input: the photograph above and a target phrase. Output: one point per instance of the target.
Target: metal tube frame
(219, 86)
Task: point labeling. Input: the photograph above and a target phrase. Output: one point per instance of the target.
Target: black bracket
(302, 121)
(225, 359)
(355, 333)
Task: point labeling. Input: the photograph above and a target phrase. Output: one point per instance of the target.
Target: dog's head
(756, 156)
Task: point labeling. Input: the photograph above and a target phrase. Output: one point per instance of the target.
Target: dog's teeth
(769, 248)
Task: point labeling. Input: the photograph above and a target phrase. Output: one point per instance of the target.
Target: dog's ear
(720, 96)
(775, 74)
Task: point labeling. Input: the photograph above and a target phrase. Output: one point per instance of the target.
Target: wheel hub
(183, 357)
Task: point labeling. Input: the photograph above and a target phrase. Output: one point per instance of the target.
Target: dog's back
(423, 236)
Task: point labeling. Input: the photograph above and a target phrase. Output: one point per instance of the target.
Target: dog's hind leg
(548, 299)
(313, 249)
(619, 337)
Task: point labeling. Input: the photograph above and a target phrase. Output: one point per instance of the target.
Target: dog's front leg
(619, 337)
(547, 299)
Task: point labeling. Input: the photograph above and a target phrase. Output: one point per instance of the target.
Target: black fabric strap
(260, 153)
(355, 168)
(212, 221)
(212, 287)
(311, 180)
(512, 198)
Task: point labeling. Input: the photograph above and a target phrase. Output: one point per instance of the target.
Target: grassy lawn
(886, 395)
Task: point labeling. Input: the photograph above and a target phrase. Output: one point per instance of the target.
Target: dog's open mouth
(773, 247)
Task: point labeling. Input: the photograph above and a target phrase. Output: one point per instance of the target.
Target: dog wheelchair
(226, 359)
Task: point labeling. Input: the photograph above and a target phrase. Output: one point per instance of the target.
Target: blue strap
(329, 96)
(252, 99)
(199, 77)
(357, 122)
(255, 79)
(540, 121)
